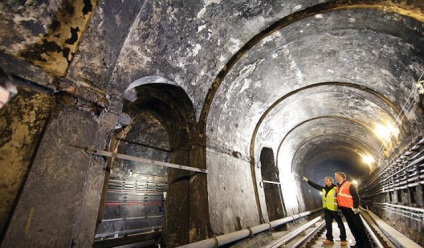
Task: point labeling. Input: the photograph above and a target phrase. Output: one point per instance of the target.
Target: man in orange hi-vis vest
(348, 201)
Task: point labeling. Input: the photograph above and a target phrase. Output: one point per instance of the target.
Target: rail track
(311, 234)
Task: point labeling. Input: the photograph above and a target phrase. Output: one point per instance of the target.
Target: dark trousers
(356, 227)
(329, 216)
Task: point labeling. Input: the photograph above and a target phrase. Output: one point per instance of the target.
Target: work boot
(328, 242)
(343, 243)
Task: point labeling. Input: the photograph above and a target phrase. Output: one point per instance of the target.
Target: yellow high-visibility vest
(329, 201)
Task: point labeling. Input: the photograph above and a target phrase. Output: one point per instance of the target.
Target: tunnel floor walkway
(336, 235)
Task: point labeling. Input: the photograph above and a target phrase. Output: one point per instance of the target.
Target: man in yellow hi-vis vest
(329, 202)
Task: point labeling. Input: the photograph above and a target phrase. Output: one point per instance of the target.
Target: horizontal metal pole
(265, 181)
(139, 230)
(133, 218)
(143, 160)
(140, 185)
(138, 190)
(136, 194)
(136, 182)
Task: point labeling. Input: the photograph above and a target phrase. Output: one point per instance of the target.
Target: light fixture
(388, 133)
(382, 132)
(394, 130)
(368, 159)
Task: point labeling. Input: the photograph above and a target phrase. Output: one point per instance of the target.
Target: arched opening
(148, 199)
(271, 183)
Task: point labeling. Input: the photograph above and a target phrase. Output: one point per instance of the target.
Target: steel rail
(309, 235)
(291, 235)
(372, 233)
(394, 236)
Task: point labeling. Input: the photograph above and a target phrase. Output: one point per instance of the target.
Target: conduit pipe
(235, 236)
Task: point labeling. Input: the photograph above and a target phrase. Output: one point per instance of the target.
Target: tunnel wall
(232, 203)
(395, 191)
(184, 42)
(60, 199)
(413, 228)
(22, 122)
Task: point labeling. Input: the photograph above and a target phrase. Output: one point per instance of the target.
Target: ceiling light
(368, 159)
(382, 132)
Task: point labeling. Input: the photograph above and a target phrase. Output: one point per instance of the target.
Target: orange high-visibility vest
(344, 198)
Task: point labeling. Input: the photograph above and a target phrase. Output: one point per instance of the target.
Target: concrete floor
(336, 235)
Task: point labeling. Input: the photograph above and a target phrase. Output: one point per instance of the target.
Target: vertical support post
(60, 200)
(199, 208)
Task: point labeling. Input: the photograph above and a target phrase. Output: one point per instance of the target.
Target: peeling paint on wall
(21, 124)
(50, 32)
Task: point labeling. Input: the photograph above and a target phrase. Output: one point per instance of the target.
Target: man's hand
(355, 210)
(305, 179)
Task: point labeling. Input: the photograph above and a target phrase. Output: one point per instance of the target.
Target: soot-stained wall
(256, 75)
(22, 122)
(63, 185)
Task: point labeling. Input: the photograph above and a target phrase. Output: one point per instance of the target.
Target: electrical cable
(409, 103)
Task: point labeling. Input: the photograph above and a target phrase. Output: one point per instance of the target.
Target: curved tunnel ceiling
(349, 69)
(318, 150)
(326, 125)
(326, 100)
(337, 128)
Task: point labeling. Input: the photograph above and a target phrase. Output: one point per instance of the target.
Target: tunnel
(166, 123)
